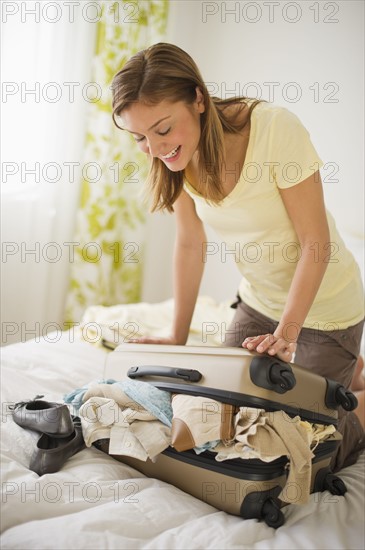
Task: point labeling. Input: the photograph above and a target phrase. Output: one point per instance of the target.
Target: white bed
(95, 502)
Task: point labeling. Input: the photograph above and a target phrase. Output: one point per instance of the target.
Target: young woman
(248, 169)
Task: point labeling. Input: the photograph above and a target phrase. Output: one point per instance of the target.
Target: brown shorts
(332, 354)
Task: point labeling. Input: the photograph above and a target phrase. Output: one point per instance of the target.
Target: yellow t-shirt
(258, 234)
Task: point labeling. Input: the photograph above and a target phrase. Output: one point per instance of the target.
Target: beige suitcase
(248, 488)
(232, 375)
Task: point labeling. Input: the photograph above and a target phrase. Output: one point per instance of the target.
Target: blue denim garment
(155, 401)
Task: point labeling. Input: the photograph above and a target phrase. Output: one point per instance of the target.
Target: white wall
(38, 217)
(306, 56)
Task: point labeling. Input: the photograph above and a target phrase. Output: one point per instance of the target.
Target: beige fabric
(134, 433)
(317, 432)
(199, 420)
(271, 435)
(132, 409)
(97, 416)
(284, 435)
(155, 436)
(246, 423)
(123, 442)
(129, 410)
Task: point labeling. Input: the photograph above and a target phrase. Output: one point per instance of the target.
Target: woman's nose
(154, 147)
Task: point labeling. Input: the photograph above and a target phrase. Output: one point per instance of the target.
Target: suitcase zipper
(252, 469)
(325, 448)
(243, 400)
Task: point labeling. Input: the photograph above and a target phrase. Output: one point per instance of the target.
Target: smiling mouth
(172, 153)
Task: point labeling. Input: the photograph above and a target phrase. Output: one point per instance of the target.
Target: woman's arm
(305, 205)
(188, 267)
(189, 258)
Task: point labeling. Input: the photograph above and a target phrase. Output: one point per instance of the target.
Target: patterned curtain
(107, 264)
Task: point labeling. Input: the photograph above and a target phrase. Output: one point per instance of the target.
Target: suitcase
(232, 375)
(246, 488)
(249, 487)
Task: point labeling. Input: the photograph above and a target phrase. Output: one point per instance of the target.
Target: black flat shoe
(44, 416)
(52, 452)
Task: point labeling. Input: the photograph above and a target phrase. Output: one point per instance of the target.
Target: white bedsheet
(95, 502)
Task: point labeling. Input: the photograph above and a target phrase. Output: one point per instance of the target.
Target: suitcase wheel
(263, 505)
(346, 399)
(271, 513)
(285, 378)
(334, 485)
(272, 374)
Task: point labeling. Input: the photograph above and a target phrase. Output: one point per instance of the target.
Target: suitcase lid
(196, 350)
(246, 378)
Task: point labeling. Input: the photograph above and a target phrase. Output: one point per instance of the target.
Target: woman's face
(168, 131)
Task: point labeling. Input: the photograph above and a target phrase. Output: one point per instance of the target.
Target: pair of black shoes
(61, 433)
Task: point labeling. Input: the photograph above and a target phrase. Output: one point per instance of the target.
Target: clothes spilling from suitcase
(244, 432)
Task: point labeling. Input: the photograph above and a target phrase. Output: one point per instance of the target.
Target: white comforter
(96, 502)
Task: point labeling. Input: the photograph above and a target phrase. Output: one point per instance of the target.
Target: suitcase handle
(189, 375)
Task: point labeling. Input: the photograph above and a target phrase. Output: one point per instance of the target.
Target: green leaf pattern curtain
(107, 264)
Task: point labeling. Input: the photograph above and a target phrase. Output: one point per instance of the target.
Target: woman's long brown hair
(165, 72)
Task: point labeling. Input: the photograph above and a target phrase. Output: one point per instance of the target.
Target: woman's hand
(273, 345)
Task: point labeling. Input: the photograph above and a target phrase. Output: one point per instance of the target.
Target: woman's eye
(139, 139)
(165, 133)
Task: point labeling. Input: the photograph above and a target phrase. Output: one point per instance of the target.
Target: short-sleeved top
(257, 233)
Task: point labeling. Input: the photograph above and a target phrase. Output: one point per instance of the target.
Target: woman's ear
(199, 102)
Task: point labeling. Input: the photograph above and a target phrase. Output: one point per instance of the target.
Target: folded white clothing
(124, 442)
(97, 416)
(103, 418)
(154, 437)
(138, 396)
